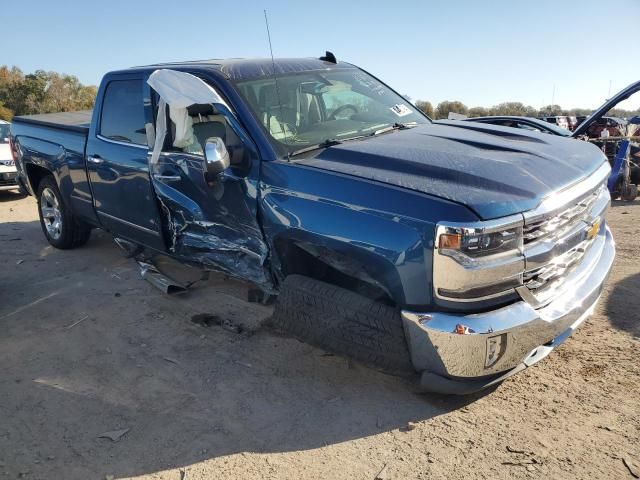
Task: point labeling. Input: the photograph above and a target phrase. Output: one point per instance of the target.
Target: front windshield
(311, 108)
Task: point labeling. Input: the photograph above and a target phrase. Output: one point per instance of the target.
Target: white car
(8, 172)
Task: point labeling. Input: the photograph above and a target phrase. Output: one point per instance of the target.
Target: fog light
(495, 349)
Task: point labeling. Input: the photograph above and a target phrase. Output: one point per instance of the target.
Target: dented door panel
(209, 220)
(211, 223)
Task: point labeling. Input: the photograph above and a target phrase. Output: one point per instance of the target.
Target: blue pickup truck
(457, 254)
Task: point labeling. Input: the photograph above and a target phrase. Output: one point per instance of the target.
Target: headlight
(478, 261)
(479, 242)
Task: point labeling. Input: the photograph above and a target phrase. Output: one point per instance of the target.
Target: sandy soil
(87, 348)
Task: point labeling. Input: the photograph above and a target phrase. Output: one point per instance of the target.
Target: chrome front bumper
(498, 343)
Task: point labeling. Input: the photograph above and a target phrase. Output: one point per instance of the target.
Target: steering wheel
(347, 106)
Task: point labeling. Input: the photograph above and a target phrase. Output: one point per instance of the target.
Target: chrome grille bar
(556, 240)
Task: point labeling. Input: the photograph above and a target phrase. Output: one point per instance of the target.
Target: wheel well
(35, 174)
(329, 266)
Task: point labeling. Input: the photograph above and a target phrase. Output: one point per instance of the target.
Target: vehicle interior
(310, 108)
(206, 122)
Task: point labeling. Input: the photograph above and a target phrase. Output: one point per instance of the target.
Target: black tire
(343, 322)
(71, 233)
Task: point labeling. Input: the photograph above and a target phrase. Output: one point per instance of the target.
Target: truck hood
(495, 171)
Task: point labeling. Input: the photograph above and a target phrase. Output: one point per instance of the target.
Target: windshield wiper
(395, 126)
(327, 143)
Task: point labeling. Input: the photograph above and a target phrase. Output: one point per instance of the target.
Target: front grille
(556, 244)
(555, 270)
(558, 225)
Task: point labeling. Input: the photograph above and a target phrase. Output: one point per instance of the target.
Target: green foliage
(426, 108)
(41, 92)
(478, 112)
(551, 111)
(443, 108)
(512, 108)
(5, 113)
(578, 112)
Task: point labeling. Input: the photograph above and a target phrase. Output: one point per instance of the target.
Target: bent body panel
(387, 232)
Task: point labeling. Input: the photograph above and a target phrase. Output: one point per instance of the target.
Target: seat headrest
(201, 109)
(268, 96)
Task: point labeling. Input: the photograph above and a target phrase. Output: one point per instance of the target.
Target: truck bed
(75, 121)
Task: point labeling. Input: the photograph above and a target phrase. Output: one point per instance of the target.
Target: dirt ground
(87, 347)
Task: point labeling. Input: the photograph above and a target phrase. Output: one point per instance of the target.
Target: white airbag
(178, 90)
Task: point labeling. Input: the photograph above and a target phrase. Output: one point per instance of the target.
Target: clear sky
(479, 52)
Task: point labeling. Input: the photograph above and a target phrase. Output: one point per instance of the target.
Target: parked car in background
(525, 123)
(612, 124)
(8, 172)
(590, 127)
(559, 120)
(573, 122)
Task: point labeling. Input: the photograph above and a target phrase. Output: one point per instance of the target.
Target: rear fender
(39, 156)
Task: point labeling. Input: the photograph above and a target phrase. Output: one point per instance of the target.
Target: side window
(203, 122)
(123, 112)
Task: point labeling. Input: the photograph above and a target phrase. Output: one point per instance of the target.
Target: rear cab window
(122, 118)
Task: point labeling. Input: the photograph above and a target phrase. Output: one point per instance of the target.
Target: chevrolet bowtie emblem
(593, 230)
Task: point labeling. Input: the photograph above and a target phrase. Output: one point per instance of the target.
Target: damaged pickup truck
(463, 253)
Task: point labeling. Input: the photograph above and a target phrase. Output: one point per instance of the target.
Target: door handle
(94, 159)
(167, 178)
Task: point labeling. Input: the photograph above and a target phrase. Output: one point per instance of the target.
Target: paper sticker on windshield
(401, 110)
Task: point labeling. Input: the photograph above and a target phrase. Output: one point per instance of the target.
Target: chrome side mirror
(216, 156)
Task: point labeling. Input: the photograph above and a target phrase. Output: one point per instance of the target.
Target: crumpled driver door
(208, 221)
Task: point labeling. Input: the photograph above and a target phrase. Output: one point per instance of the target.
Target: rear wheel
(58, 224)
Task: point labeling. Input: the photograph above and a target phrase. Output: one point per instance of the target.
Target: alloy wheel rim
(51, 214)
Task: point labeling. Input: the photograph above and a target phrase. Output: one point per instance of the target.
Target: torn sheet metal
(151, 274)
(211, 222)
(218, 240)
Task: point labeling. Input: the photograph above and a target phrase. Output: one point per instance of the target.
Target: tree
(551, 111)
(426, 107)
(42, 92)
(444, 108)
(5, 113)
(478, 112)
(513, 108)
(579, 112)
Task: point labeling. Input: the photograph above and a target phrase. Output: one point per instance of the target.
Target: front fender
(378, 234)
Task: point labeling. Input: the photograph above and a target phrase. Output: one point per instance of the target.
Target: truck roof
(245, 68)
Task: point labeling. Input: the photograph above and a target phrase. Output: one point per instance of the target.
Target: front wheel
(58, 223)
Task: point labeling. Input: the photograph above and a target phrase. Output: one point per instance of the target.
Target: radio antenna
(275, 79)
